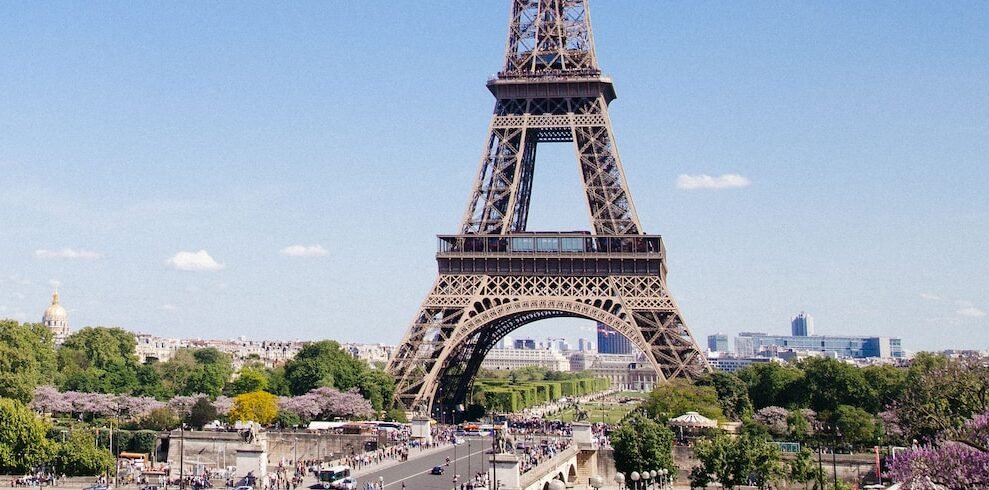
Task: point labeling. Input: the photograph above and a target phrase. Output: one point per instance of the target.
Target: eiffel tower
(495, 276)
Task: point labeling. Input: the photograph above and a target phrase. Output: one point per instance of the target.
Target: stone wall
(219, 449)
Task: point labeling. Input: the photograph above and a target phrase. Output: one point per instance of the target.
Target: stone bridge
(574, 465)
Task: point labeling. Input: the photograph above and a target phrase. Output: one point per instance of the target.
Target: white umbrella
(693, 419)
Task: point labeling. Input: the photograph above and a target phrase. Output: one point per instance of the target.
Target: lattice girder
(550, 89)
(436, 346)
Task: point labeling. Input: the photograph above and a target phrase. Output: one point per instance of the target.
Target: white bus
(333, 476)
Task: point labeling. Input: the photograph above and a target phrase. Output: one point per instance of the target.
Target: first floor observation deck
(551, 253)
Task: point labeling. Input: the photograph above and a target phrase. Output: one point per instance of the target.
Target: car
(437, 470)
(244, 487)
(348, 483)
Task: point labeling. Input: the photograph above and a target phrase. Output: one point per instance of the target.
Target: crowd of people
(531, 455)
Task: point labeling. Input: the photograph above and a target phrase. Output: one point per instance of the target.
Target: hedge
(500, 396)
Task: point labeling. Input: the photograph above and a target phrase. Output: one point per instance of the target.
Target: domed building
(56, 320)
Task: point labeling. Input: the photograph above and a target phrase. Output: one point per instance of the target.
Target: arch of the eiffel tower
(495, 276)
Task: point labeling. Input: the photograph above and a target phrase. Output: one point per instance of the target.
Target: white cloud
(930, 297)
(703, 181)
(194, 261)
(168, 307)
(66, 253)
(304, 251)
(972, 312)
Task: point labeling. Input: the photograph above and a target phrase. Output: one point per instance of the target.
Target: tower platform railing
(551, 244)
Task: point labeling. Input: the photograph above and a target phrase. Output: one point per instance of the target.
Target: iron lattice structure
(495, 277)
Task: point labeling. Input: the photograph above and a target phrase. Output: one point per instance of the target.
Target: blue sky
(133, 132)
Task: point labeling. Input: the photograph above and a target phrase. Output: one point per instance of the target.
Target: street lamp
(596, 482)
(834, 446)
(381, 482)
(555, 484)
(645, 479)
(182, 455)
(635, 479)
(662, 475)
(620, 479)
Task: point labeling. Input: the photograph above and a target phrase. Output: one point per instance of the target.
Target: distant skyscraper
(584, 345)
(802, 325)
(525, 344)
(717, 342)
(610, 341)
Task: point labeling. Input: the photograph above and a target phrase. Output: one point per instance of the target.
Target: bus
(332, 476)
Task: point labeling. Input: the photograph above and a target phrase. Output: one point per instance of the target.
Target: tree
(642, 444)
(941, 393)
(149, 383)
(175, 371)
(737, 461)
(99, 359)
(192, 371)
(775, 419)
(679, 396)
(23, 442)
(772, 383)
(259, 406)
(801, 422)
(277, 383)
(856, 425)
(159, 419)
(958, 460)
(888, 384)
(828, 383)
(202, 413)
(211, 372)
(733, 394)
(328, 403)
(802, 468)
(249, 380)
(78, 455)
(321, 364)
(27, 359)
(378, 387)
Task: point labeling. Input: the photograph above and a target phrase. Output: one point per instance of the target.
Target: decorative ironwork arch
(467, 348)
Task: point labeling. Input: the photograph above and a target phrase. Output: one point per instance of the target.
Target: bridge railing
(534, 473)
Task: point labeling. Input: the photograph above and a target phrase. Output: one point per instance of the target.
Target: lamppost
(381, 482)
(182, 455)
(555, 484)
(620, 480)
(635, 479)
(834, 445)
(818, 428)
(652, 475)
(645, 479)
(662, 475)
(596, 482)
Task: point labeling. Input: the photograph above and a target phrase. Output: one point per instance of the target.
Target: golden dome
(55, 312)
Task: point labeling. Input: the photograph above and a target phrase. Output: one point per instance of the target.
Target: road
(415, 473)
